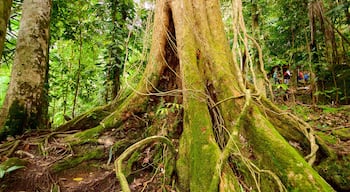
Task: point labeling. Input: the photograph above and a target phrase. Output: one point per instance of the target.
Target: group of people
(302, 77)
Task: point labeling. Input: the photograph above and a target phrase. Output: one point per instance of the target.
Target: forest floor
(39, 151)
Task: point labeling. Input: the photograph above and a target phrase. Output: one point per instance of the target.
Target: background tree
(5, 10)
(26, 104)
(311, 37)
(99, 50)
(121, 13)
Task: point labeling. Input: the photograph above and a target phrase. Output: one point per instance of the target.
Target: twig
(21, 152)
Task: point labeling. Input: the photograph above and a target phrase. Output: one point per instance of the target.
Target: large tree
(229, 132)
(25, 105)
(5, 10)
(228, 136)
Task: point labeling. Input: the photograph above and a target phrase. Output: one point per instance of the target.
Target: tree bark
(214, 98)
(5, 10)
(228, 131)
(25, 103)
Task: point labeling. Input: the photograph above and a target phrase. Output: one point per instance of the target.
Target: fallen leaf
(78, 179)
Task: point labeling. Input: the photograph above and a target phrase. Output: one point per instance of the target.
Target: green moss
(200, 147)
(329, 109)
(302, 111)
(336, 171)
(15, 121)
(76, 160)
(329, 139)
(342, 134)
(133, 158)
(87, 136)
(275, 154)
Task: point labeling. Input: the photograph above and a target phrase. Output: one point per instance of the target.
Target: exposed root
(230, 146)
(300, 125)
(88, 119)
(118, 162)
(13, 145)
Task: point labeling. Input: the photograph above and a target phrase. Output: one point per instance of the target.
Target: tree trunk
(5, 10)
(231, 136)
(258, 64)
(215, 103)
(77, 82)
(25, 102)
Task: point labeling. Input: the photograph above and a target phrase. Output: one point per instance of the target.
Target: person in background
(306, 77)
(286, 76)
(300, 76)
(275, 77)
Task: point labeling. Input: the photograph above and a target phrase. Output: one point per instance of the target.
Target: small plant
(282, 86)
(166, 108)
(4, 170)
(10, 165)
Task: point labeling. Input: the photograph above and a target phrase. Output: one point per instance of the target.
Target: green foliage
(164, 109)
(11, 36)
(288, 39)
(330, 109)
(282, 86)
(64, 72)
(302, 111)
(4, 81)
(8, 170)
(10, 165)
(102, 30)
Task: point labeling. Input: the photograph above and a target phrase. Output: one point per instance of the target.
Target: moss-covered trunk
(231, 136)
(25, 103)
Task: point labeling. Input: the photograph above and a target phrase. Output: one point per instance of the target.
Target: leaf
(282, 86)
(2, 173)
(78, 179)
(13, 168)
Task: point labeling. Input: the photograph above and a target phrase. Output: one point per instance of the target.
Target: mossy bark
(274, 153)
(74, 161)
(210, 83)
(28, 85)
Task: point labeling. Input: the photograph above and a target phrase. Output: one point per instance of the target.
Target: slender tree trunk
(257, 62)
(67, 84)
(346, 11)
(5, 10)
(77, 82)
(312, 85)
(25, 99)
(116, 63)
